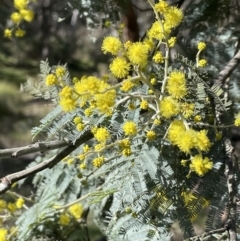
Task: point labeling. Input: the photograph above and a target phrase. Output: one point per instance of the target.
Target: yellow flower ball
(119, 67)
(112, 45)
(130, 128)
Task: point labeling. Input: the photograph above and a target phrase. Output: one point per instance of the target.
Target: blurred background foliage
(72, 31)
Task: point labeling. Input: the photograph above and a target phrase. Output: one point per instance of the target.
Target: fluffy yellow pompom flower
(202, 63)
(187, 109)
(144, 105)
(60, 71)
(169, 107)
(173, 17)
(86, 148)
(80, 126)
(12, 207)
(20, 33)
(151, 135)
(7, 33)
(125, 143)
(98, 161)
(16, 17)
(51, 79)
(175, 130)
(161, 7)
(83, 166)
(119, 67)
(102, 134)
(67, 100)
(20, 4)
(172, 41)
(200, 166)
(77, 120)
(203, 143)
(186, 140)
(176, 85)
(237, 120)
(127, 85)
(201, 46)
(138, 53)
(157, 32)
(112, 45)
(3, 234)
(20, 202)
(27, 15)
(76, 210)
(127, 152)
(130, 128)
(64, 219)
(158, 57)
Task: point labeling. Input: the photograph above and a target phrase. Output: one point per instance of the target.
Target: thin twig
(78, 200)
(39, 146)
(220, 230)
(230, 163)
(7, 181)
(228, 69)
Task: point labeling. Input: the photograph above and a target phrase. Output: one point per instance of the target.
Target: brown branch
(7, 181)
(228, 69)
(39, 146)
(230, 163)
(204, 235)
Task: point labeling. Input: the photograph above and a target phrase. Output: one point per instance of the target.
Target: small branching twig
(207, 234)
(39, 146)
(7, 181)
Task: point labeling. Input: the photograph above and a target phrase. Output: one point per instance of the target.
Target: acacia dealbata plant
(142, 147)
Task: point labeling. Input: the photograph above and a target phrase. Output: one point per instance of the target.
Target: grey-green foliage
(143, 194)
(146, 189)
(54, 187)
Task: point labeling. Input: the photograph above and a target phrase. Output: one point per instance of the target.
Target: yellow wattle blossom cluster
(3, 234)
(22, 14)
(237, 120)
(76, 210)
(201, 46)
(170, 97)
(138, 54)
(144, 104)
(125, 147)
(102, 134)
(127, 85)
(111, 45)
(95, 92)
(176, 85)
(200, 165)
(169, 107)
(158, 57)
(98, 161)
(201, 62)
(119, 67)
(64, 219)
(68, 100)
(20, 202)
(171, 18)
(51, 79)
(151, 135)
(187, 139)
(130, 128)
